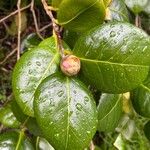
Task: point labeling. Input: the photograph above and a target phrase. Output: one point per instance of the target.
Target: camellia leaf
(118, 11)
(112, 57)
(56, 3)
(141, 99)
(66, 112)
(30, 70)
(14, 141)
(136, 5)
(109, 111)
(72, 14)
(43, 144)
(147, 130)
(7, 117)
(27, 121)
(107, 2)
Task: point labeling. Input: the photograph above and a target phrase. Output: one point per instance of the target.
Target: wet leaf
(141, 99)
(136, 5)
(66, 112)
(112, 57)
(118, 11)
(10, 141)
(73, 14)
(44, 144)
(109, 112)
(147, 130)
(30, 70)
(7, 117)
(27, 121)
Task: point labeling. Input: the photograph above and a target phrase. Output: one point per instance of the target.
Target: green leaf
(70, 38)
(30, 70)
(147, 8)
(56, 3)
(141, 99)
(7, 117)
(14, 141)
(109, 111)
(136, 5)
(118, 11)
(72, 14)
(66, 112)
(147, 130)
(107, 2)
(112, 57)
(43, 144)
(29, 42)
(29, 122)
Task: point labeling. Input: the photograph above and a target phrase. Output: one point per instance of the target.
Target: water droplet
(56, 135)
(51, 122)
(30, 71)
(131, 51)
(79, 106)
(86, 99)
(112, 34)
(60, 93)
(29, 63)
(75, 92)
(38, 63)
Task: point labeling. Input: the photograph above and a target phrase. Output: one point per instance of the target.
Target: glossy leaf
(7, 117)
(109, 112)
(29, 122)
(136, 5)
(70, 38)
(112, 57)
(118, 11)
(30, 70)
(107, 2)
(43, 144)
(14, 141)
(56, 3)
(72, 14)
(141, 99)
(147, 8)
(66, 112)
(147, 130)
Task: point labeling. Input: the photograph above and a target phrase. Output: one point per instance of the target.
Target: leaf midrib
(145, 87)
(79, 13)
(110, 63)
(112, 108)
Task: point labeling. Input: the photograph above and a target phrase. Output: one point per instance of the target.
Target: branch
(14, 13)
(92, 147)
(19, 29)
(55, 28)
(35, 20)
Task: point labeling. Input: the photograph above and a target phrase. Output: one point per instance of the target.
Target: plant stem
(55, 28)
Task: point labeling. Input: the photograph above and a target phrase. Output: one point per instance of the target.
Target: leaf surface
(141, 99)
(66, 112)
(112, 57)
(72, 14)
(30, 70)
(109, 112)
(13, 141)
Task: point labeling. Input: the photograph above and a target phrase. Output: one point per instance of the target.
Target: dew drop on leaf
(79, 106)
(38, 63)
(60, 93)
(112, 34)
